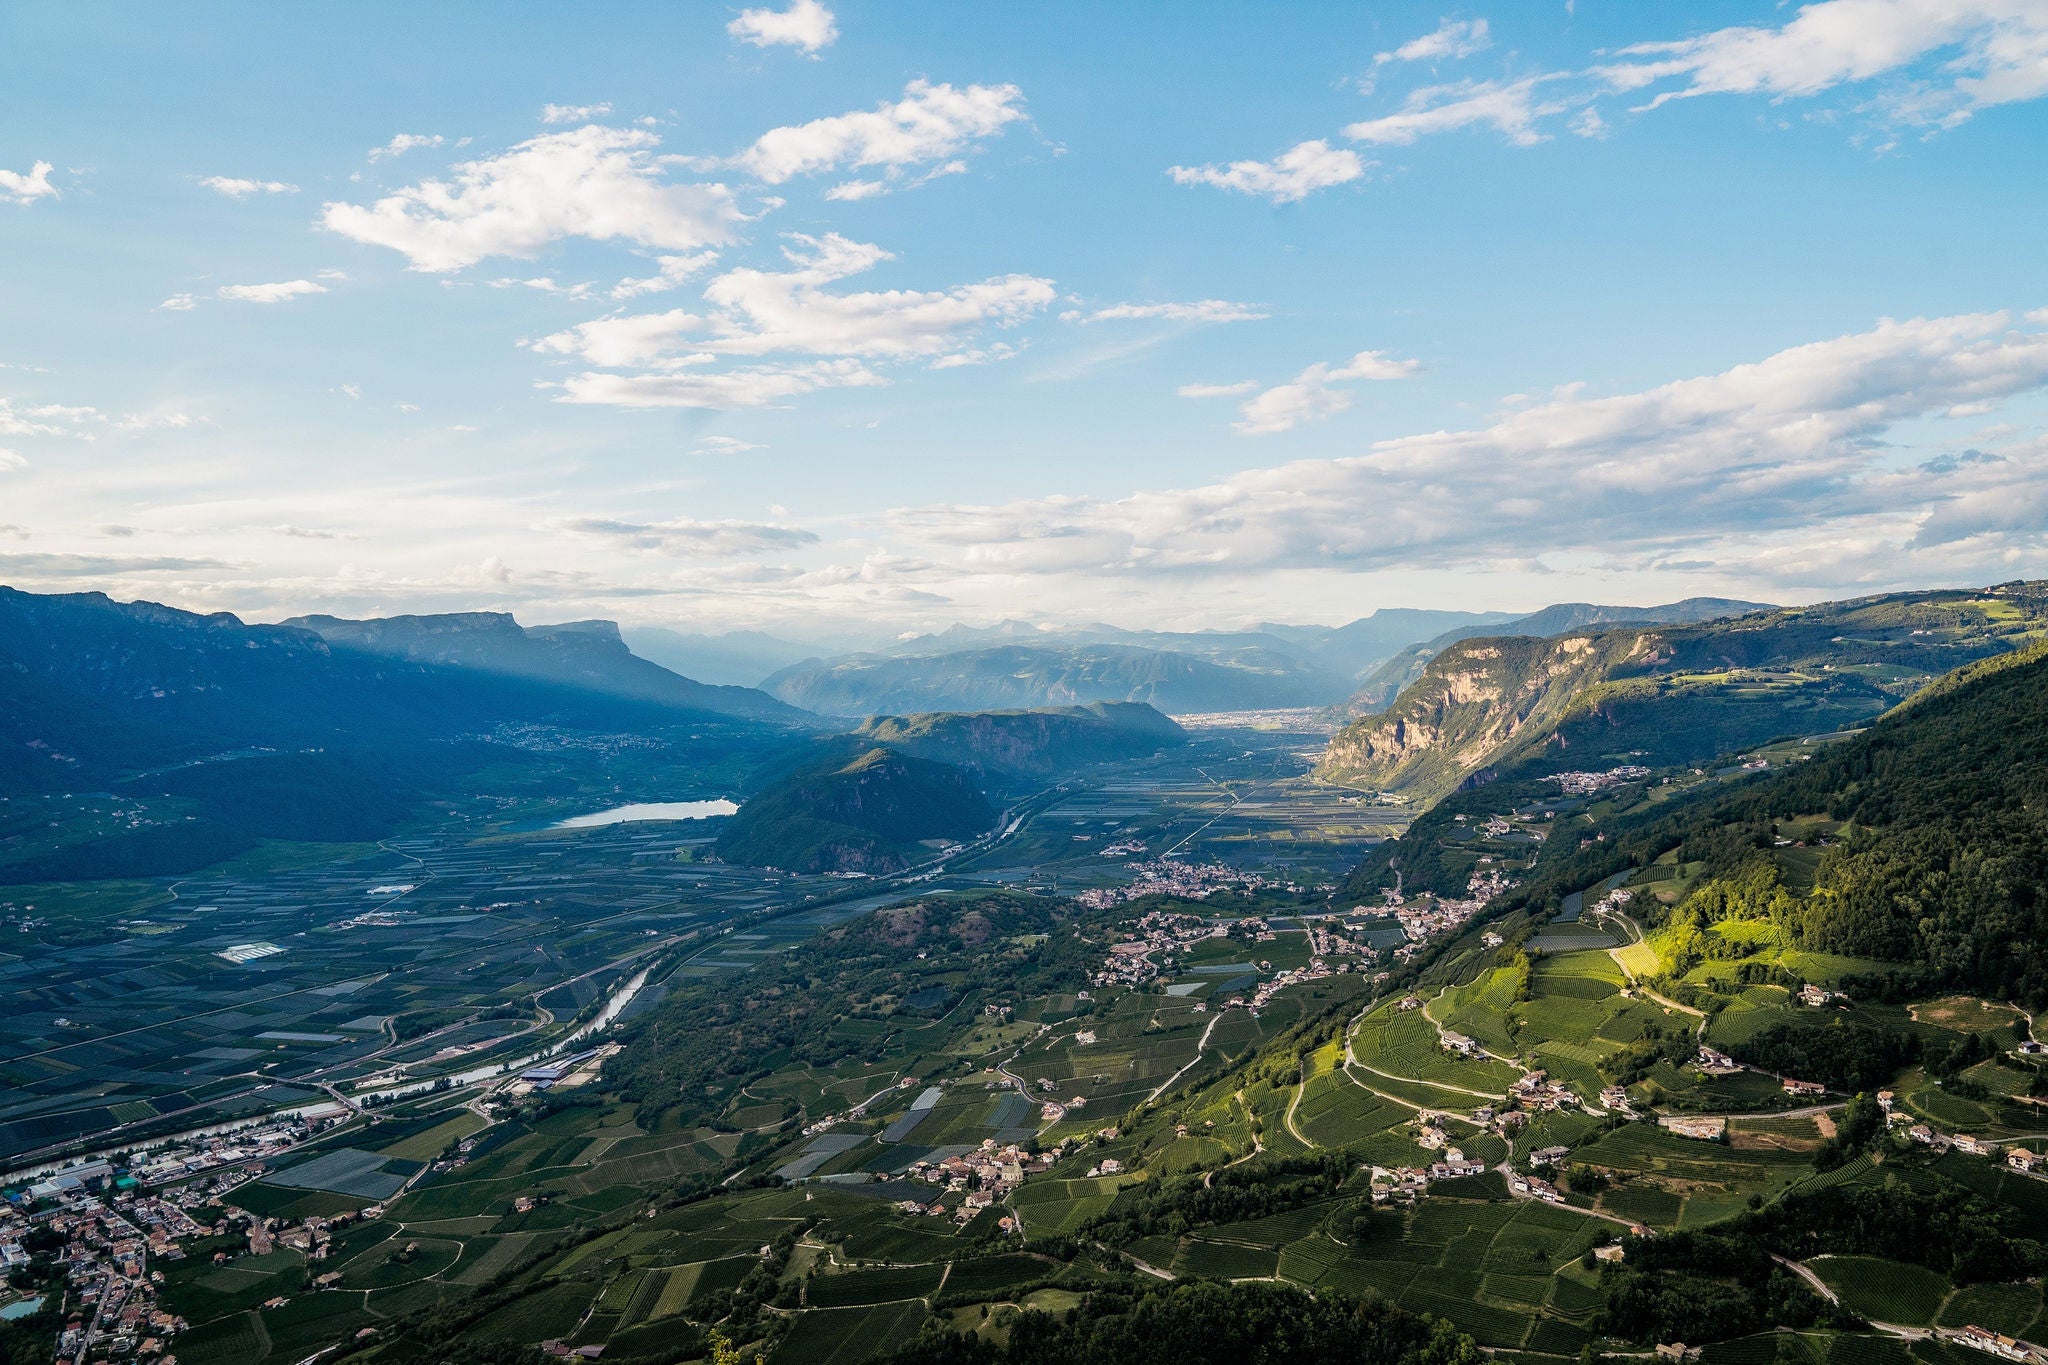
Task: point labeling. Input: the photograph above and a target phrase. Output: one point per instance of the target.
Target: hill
(864, 802)
(1005, 744)
(590, 656)
(865, 814)
(1406, 666)
(1009, 676)
(1667, 695)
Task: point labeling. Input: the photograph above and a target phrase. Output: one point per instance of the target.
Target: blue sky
(827, 315)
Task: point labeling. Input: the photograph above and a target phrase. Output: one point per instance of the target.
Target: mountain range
(203, 734)
(1358, 667)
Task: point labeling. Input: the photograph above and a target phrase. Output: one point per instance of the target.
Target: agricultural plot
(1666, 1181)
(1407, 1045)
(1496, 1269)
(1052, 1207)
(1884, 1291)
(162, 1032)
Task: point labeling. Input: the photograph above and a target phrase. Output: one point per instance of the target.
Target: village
(982, 1177)
(108, 1234)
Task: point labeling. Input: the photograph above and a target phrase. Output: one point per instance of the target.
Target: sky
(831, 316)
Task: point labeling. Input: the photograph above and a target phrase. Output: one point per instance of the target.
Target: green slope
(1923, 842)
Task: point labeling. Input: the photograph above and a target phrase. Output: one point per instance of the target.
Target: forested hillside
(1929, 836)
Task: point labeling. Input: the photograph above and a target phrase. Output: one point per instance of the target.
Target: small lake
(647, 810)
(20, 1309)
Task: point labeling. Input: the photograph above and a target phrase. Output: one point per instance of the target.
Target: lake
(648, 810)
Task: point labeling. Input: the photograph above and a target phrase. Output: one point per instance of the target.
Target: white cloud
(674, 270)
(1512, 107)
(1996, 52)
(572, 113)
(179, 303)
(748, 387)
(17, 188)
(32, 421)
(1236, 390)
(724, 445)
(806, 24)
(851, 190)
(1202, 310)
(12, 460)
(1293, 175)
(1316, 393)
(1779, 469)
(601, 183)
(281, 292)
(930, 123)
(758, 313)
(1452, 40)
(545, 284)
(688, 538)
(406, 142)
(242, 189)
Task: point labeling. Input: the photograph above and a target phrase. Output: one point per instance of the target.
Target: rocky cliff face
(1476, 698)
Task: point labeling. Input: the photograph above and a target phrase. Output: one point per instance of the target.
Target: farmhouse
(1997, 1343)
(2020, 1159)
(1549, 1156)
(1452, 1170)
(1716, 1063)
(1459, 1043)
(1793, 1087)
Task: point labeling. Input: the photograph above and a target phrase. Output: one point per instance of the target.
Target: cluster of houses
(113, 1231)
(1165, 877)
(1316, 970)
(1536, 1092)
(2021, 1159)
(1152, 945)
(1426, 916)
(981, 1177)
(1996, 1343)
(1535, 1187)
(1586, 784)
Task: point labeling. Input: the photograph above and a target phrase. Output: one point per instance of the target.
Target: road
(1167, 1084)
(1820, 1287)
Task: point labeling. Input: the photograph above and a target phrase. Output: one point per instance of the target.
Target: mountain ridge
(1670, 694)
